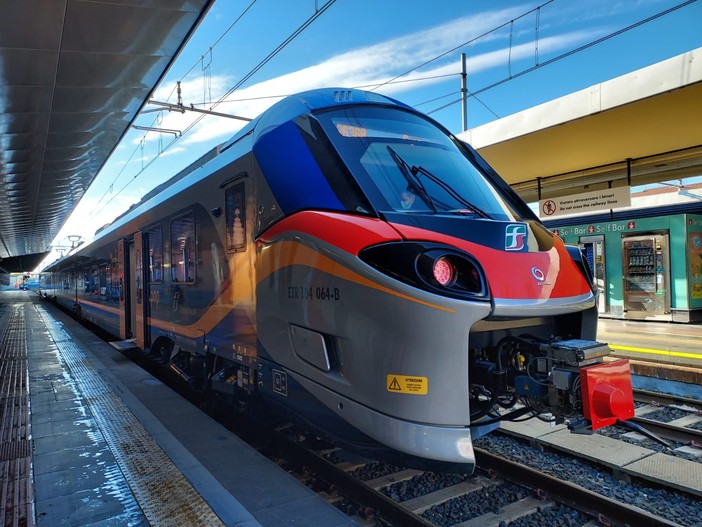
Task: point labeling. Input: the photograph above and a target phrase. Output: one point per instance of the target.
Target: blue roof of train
(276, 116)
(305, 102)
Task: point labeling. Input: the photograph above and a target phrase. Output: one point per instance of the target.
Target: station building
(590, 162)
(647, 263)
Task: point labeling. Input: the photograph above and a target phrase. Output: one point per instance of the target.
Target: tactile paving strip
(164, 494)
(16, 446)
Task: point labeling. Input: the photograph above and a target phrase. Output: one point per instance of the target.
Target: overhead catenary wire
(209, 50)
(434, 99)
(199, 61)
(464, 44)
(398, 78)
(318, 12)
(566, 54)
(357, 87)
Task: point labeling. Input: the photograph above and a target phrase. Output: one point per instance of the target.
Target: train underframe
(512, 377)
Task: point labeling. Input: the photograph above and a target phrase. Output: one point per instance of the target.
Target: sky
(406, 49)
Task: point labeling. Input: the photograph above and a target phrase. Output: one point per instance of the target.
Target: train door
(124, 293)
(134, 307)
(593, 248)
(646, 275)
(131, 288)
(141, 294)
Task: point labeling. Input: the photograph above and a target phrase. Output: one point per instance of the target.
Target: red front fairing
(515, 275)
(510, 275)
(348, 232)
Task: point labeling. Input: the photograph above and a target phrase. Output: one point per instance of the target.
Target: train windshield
(406, 164)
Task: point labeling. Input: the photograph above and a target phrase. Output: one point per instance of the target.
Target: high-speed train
(348, 261)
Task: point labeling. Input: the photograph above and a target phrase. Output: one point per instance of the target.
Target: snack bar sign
(606, 199)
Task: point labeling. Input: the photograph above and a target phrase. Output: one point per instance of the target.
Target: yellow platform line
(658, 352)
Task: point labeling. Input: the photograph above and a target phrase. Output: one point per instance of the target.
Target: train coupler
(607, 393)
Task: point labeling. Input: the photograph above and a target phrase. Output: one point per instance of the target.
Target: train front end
(406, 295)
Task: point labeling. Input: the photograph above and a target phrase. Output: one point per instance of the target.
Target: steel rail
(350, 486)
(666, 399)
(564, 492)
(670, 432)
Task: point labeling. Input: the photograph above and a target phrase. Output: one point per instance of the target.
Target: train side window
(154, 244)
(103, 272)
(235, 212)
(183, 248)
(116, 289)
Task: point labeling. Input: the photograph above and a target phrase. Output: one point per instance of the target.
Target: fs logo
(515, 237)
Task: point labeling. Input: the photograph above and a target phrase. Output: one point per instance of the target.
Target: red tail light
(607, 393)
(433, 267)
(444, 272)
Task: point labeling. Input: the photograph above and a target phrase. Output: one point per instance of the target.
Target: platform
(668, 342)
(90, 439)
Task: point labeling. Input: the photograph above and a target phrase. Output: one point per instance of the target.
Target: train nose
(607, 393)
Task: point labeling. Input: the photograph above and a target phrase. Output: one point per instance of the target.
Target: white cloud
(366, 66)
(174, 151)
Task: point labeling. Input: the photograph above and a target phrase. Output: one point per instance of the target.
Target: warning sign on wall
(407, 384)
(606, 199)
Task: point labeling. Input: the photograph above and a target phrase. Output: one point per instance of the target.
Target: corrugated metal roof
(73, 76)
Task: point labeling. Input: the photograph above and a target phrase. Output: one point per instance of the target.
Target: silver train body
(348, 261)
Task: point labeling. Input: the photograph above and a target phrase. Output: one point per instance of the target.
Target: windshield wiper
(411, 178)
(448, 188)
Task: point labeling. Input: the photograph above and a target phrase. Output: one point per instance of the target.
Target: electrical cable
(209, 49)
(271, 55)
(567, 54)
(395, 80)
(437, 98)
(486, 33)
(267, 59)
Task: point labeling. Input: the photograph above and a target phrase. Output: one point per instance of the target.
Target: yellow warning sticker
(407, 384)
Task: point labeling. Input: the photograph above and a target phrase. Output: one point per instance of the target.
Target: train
(349, 263)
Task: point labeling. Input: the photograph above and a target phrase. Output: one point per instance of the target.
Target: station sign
(611, 198)
(593, 229)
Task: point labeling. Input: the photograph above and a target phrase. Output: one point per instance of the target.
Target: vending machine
(646, 275)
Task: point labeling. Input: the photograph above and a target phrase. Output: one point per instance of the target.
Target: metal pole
(464, 93)
(628, 171)
(538, 187)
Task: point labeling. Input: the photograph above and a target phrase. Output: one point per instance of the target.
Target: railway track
(665, 399)
(501, 493)
(670, 417)
(605, 510)
(504, 491)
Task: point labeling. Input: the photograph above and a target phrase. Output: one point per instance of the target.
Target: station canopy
(643, 127)
(73, 76)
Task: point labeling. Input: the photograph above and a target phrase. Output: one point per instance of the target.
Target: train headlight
(444, 272)
(433, 267)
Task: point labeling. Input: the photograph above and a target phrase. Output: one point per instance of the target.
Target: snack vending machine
(646, 275)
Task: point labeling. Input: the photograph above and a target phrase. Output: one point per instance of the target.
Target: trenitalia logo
(538, 274)
(515, 237)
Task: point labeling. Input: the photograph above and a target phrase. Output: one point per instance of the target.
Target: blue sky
(362, 43)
